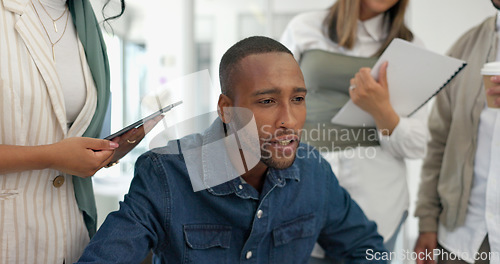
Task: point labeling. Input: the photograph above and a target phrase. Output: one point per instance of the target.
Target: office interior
(157, 42)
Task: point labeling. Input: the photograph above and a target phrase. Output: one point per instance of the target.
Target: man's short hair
(243, 48)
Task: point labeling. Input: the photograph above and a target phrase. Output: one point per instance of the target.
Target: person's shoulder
(418, 41)
(473, 36)
(311, 15)
(487, 25)
(309, 19)
(308, 155)
(171, 153)
(312, 165)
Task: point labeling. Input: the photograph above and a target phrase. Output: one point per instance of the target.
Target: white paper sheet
(414, 76)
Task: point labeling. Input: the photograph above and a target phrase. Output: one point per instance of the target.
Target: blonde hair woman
(335, 47)
(343, 17)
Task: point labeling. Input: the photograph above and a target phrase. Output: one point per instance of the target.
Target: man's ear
(224, 108)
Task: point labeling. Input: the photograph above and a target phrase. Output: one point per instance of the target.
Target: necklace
(46, 32)
(53, 20)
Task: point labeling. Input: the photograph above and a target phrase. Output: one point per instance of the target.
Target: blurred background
(157, 42)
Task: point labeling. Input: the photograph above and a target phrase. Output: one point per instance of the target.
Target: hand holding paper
(372, 96)
(407, 93)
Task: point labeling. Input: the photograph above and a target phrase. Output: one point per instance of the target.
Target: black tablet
(141, 121)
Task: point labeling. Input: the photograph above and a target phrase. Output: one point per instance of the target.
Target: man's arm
(128, 235)
(428, 202)
(347, 233)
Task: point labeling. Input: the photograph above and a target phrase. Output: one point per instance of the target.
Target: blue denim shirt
(232, 222)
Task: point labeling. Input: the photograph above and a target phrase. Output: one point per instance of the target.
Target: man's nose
(286, 117)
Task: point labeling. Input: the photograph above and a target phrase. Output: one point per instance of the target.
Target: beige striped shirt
(39, 221)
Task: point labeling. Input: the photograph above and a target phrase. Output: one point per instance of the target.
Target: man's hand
(426, 242)
(495, 90)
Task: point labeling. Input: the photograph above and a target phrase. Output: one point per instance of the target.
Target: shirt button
(58, 181)
(240, 186)
(249, 254)
(259, 214)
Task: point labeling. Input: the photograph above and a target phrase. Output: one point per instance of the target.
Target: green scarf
(91, 38)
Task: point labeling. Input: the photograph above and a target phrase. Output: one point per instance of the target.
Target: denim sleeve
(128, 234)
(347, 233)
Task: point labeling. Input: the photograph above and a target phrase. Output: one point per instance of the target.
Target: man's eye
(266, 101)
(299, 99)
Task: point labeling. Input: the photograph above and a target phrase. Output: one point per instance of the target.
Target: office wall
(440, 23)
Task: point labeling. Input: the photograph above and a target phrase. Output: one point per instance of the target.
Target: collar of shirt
(376, 28)
(243, 190)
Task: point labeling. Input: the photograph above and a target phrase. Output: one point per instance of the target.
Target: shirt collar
(238, 186)
(376, 27)
(215, 162)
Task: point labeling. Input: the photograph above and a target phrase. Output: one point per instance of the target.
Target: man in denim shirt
(273, 211)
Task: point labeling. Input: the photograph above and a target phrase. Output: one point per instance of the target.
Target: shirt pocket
(207, 242)
(293, 240)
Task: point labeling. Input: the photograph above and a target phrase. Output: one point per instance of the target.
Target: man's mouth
(285, 142)
(283, 146)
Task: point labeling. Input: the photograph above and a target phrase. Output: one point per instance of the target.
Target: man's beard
(280, 165)
(266, 157)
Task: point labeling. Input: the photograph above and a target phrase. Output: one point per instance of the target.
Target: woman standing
(54, 89)
(331, 46)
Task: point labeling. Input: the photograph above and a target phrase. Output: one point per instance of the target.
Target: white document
(414, 76)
